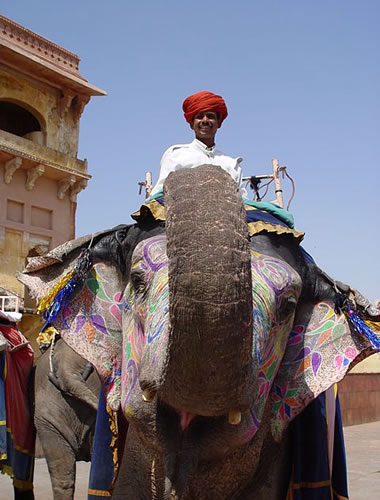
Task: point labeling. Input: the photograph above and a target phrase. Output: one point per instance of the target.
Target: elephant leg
(60, 460)
(75, 386)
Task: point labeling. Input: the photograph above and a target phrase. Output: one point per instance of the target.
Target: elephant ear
(322, 347)
(90, 321)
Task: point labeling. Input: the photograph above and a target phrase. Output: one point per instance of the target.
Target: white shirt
(193, 155)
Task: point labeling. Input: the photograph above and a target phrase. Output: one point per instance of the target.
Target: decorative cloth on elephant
(261, 216)
(204, 101)
(104, 455)
(17, 433)
(314, 473)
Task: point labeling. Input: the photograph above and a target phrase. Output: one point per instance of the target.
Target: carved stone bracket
(10, 168)
(77, 188)
(32, 174)
(64, 103)
(79, 104)
(64, 185)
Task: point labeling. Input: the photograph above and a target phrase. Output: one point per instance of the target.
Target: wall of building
(48, 105)
(359, 395)
(28, 219)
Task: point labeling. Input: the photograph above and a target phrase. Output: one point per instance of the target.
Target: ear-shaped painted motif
(91, 325)
(321, 348)
(91, 322)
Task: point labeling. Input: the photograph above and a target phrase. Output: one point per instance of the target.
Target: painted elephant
(66, 400)
(211, 342)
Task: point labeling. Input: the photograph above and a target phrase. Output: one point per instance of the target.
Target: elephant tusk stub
(148, 396)
(234, 416)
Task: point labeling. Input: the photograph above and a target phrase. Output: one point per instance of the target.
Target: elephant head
(209, 341)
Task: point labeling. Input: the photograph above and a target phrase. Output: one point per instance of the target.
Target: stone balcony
(19, 153)
(56, 163)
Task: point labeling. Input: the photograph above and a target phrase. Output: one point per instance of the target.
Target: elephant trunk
(209, 368)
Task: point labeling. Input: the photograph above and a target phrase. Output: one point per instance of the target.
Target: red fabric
(19, 364)
(204, 101)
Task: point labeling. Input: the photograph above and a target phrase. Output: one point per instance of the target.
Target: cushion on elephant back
(261, 216)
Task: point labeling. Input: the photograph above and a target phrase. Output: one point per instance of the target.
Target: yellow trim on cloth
(112, 415)
(18, 483)
(151, 208)
(309, 484)
(99, 493)
(18, 448)
(339, 497)
(261, 227)
(155, 209)
(320, 484)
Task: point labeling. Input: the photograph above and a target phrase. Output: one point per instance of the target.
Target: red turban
(204, 101)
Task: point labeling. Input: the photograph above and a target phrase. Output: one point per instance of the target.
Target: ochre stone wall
(46, 104)
(369, 365)
(28, 219)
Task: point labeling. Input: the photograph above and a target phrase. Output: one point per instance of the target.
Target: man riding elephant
(205, 113)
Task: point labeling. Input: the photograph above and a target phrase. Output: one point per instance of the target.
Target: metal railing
(9, 303)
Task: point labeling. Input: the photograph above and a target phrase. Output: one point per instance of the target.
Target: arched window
(17, 120)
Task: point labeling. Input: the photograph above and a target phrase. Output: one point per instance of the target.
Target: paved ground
(363, 460)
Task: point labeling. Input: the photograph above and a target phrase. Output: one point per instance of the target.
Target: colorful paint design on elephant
(146, 312)
(274, 285)
(93, 320)
(318, 354)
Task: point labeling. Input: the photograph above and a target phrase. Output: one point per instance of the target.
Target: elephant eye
(287, 307)
(137, 280)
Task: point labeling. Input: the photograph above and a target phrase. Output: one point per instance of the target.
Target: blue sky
(301, 81)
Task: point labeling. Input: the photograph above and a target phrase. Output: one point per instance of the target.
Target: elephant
(61, 396)
(65, 406)
(210, 341)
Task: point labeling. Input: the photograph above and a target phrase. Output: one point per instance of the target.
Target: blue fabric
(278, 212)
(260, 216)
(311, 474)
(307, 257)
(102, 465)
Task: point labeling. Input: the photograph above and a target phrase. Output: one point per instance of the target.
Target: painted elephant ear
(321, 349)
(90, 322)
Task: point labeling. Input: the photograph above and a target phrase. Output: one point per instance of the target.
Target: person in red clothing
(17, 433)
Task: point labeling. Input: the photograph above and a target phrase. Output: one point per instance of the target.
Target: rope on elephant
(52, 350)
(153, 480)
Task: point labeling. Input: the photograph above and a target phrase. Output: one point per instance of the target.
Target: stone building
(42, 97)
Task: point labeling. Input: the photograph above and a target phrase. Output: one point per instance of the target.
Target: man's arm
(168, 163)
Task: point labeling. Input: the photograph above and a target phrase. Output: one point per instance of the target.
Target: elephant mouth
(185, 419)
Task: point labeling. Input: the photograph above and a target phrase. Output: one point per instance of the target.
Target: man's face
(205, 126)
